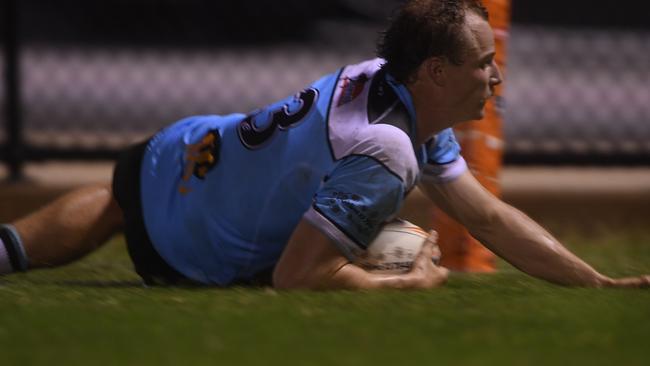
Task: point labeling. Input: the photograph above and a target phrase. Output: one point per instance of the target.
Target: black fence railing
(13, 148)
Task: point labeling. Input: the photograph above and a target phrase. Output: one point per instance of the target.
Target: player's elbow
(283, 280)
(307, 279)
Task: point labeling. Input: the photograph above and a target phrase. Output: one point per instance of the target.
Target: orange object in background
(482, 148)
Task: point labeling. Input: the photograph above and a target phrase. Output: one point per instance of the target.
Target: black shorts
(126, 190)
(148, 263)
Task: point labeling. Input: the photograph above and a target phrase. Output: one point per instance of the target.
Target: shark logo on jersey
(352, 88)
(200, 158)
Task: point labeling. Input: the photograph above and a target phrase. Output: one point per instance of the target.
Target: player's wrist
(401, 281)
(604, 281)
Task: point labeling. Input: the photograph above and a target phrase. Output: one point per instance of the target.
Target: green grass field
(95, 312)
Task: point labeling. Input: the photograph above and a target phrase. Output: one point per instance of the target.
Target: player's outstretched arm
(515, 237)
(310, 260)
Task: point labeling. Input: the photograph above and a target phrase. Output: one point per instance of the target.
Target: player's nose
(496, 77)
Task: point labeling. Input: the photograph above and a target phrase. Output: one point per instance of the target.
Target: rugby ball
(395, 248)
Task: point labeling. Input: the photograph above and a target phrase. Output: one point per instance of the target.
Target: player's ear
(435, 69)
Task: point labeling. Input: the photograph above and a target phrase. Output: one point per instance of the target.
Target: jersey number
(289, 115)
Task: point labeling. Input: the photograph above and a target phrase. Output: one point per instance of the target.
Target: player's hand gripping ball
(396, 247)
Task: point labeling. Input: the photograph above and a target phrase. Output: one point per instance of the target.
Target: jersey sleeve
(354, 201)
(444, 162)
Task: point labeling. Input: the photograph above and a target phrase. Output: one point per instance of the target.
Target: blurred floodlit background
(96, 76)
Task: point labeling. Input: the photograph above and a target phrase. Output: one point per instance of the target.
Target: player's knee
(113, 210)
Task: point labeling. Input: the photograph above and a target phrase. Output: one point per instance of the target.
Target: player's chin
(480, 113)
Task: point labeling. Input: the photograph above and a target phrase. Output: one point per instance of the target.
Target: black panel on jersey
(384, 106)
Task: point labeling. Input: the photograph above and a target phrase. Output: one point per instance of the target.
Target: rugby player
(292, 193)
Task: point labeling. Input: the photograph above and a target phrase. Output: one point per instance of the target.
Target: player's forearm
(515, 237)
(311, 261)
(351, 277)
(526, 245)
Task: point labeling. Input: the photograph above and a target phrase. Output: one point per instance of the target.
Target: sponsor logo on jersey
(360, 216)
(352, 88)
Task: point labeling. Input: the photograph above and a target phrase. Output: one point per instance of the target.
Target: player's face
(472, 83)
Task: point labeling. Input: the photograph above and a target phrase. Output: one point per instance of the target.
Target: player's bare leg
(66, 229)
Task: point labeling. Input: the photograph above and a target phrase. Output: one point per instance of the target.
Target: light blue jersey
(221, 195)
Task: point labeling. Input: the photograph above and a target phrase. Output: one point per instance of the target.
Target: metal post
(15, 144)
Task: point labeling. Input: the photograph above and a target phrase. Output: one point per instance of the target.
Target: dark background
(200, 22)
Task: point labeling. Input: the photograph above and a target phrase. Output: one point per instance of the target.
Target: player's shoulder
(392, 147)
(357, 126)
(363, 69)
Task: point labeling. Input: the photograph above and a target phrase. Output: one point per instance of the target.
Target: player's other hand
(425, 273)
(628, 282)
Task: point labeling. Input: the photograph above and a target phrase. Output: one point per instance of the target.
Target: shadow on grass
(137, 284)
(100, 283)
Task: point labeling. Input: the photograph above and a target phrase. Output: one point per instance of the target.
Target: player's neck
(431, 117)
